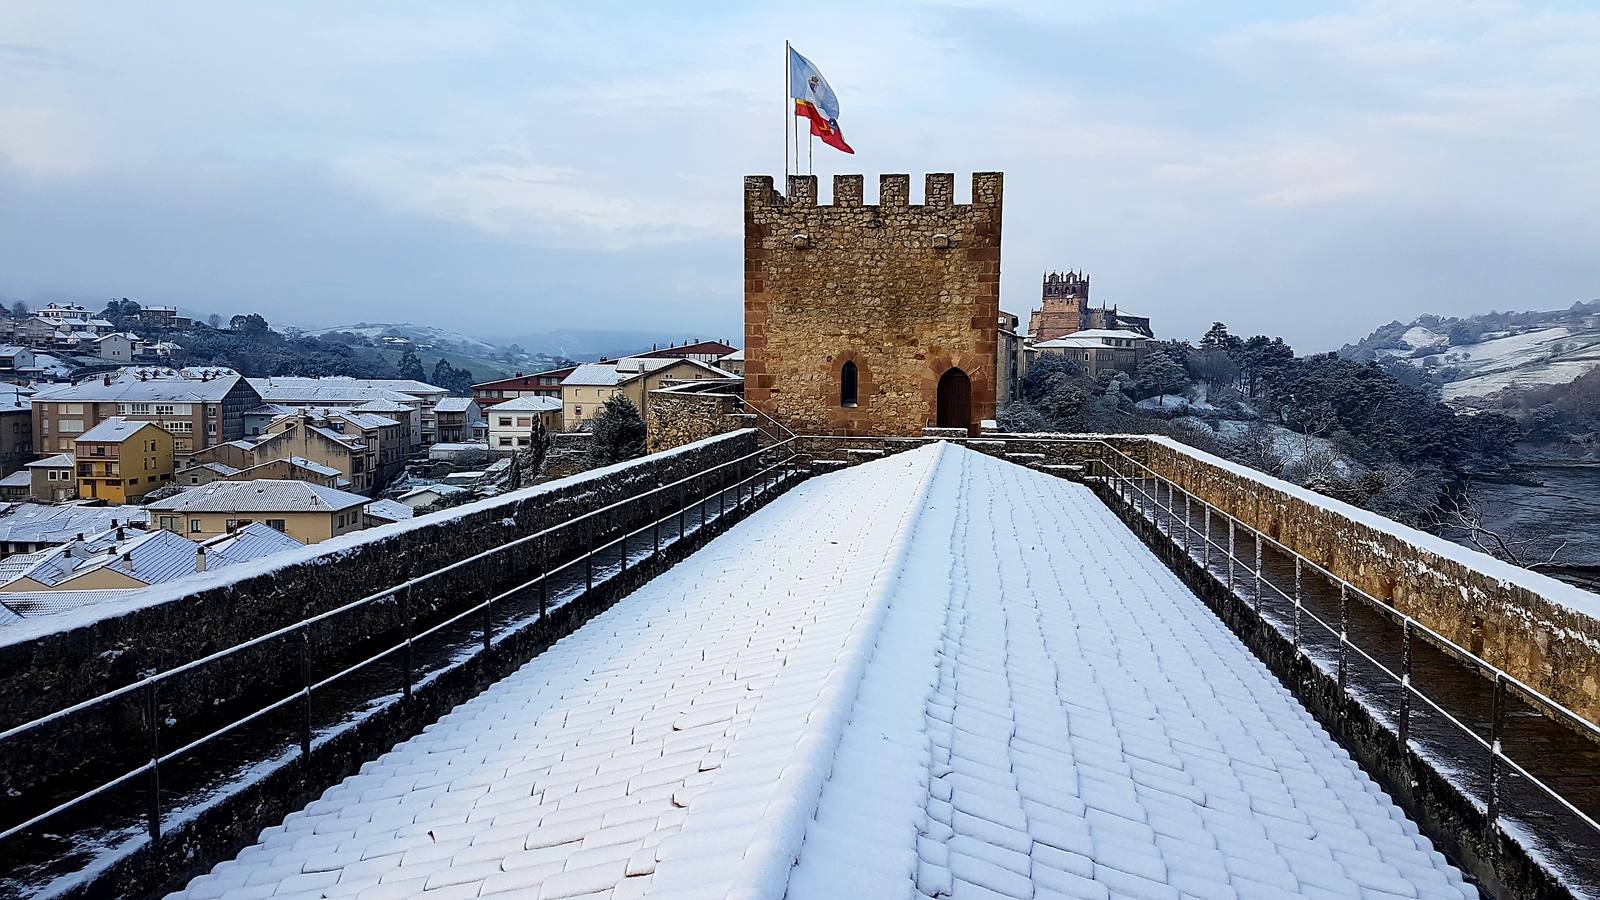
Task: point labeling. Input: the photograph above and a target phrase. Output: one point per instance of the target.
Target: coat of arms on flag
(814, 100)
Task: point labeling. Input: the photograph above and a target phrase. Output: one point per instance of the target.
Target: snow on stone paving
(936, 674)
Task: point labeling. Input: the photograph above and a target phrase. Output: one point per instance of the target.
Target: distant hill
(1479, 356)
(419, 334)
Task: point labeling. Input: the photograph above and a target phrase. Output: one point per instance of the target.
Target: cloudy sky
(500, 168)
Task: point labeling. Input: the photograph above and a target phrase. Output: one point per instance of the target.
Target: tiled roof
(935, 675)
(59, 461)
(389, 510)
(525, 382)
(19, 478)
(453, 404)
(261, 495)
(384, 406)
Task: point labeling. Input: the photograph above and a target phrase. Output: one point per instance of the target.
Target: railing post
(1258, 571)
(1298, 577)
(153, 747)
(544, 575)
(588, 556)
(1344, 631)
(305, 687)
(488, 617)
(405, 649)
(1232, 546)
(699, 479)
(1184, 529)
(1496, 731)
(655, 522)
(1205, 544)
(624, 544)
(1405, 681)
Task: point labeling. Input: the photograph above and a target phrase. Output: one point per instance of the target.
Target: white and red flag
(814, 100)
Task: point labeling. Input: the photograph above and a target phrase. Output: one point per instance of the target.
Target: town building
(120, 460)
(127, 559)
(429, 494)
(15, 359)
(513, 423)
(539, 384)
(115, 347)
(163, 317)
(201, 407)
(345, 392)
(1098, 350)
(386, 512)
(733, 362)
(877, 319)
(1064, 309)
(17, 487)
(53, 479)
(34, 526)
(16, 431)
(306, 512)
(1010, 359)
(459, 419)
(700, 351)
(590, 385)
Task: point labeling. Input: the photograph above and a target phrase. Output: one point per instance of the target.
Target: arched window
(847, 385)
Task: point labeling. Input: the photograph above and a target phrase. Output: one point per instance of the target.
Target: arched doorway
(955, 400)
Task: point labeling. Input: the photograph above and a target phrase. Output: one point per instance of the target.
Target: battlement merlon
(894, 191)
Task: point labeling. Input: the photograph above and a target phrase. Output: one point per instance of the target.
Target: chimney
(108, 379)
(200, 558)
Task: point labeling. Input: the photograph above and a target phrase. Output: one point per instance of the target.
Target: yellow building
(592, 384)
(309, 513)
(121, 460)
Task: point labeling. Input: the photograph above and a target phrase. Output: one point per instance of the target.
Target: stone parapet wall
(1542, 631)
(51, 671)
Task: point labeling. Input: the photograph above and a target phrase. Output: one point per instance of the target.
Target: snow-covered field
(934, 674)
(1543, 356)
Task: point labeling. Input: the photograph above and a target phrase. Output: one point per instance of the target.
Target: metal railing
(705, 494)
(1139, 487)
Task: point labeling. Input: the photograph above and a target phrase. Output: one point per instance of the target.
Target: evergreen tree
(1162, 375)
(410, 366)
(19, 309)
(618, 432)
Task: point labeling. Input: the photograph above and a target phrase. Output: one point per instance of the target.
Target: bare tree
(1463, 511)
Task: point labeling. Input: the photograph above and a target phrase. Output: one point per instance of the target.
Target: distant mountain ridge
(422, 334)
(1477, 357)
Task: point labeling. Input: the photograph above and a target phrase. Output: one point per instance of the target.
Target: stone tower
(872, 319)
(1065, 297)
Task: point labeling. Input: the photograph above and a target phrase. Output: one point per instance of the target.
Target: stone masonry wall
(849, 282)
(677, 418)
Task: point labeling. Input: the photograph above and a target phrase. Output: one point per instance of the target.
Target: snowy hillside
(1479, 356)
(420, 334)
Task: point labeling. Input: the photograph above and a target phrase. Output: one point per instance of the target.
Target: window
(505, 421)
(169, 523)
(194, 526)
(164, 409)
(236, 524)
(277, 524)
(133, 409)
(524, 421)
(847, 385)
(71, 426)
(85, 469)
(505, 441)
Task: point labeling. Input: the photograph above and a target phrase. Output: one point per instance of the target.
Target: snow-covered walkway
(938, 674)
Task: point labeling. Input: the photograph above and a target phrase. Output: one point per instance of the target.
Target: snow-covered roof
(438, 489)
(453, 404)
(157, 386)
(937, 674)
(37, 523)
(222, 469)
(735, 356)
(366, 420)
(148, 557)
(313, 466)
(20, 478)
(389, 510)
(114, 430)
(260, 495)
(386, 405)
(58, 461)
(525, 404)
(340, 389)
(608, 374)
(1110, 333)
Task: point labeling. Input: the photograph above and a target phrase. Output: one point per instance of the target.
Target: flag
(814, 100)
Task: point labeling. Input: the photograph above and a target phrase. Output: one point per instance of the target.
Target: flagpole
(811, 149)
(788, 117)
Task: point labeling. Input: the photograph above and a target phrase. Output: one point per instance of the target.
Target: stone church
(872, 319)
